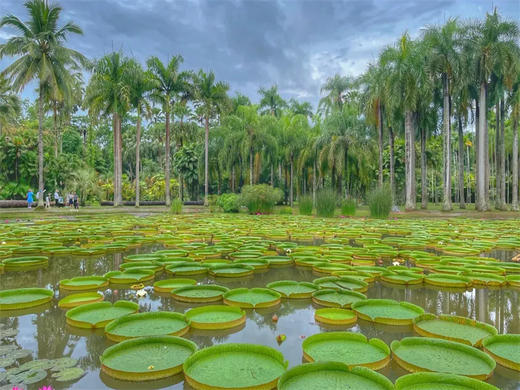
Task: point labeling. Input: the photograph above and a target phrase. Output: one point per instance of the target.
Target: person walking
(75, 200)
(30, 199)
(56, 198)
(47, 201)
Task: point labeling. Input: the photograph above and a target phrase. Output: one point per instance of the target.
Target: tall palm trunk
(167, 161)
(117, 160)
(515, 165)
(462, 202)
(502, 156)
(446, 150)
(380, 143)
(206, 161)
(424, 184)
(233, 178)
(250, 166)
(410, 201)
(40, 148)
(291, 198)
(481, 166)
(392, 163)
(55, 124)
(271, 182)
(314, 182)
(137, 157)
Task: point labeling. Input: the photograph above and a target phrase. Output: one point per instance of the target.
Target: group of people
(71, 200)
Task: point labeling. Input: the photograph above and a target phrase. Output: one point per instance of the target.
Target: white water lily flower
(140, 293)
(395, 263)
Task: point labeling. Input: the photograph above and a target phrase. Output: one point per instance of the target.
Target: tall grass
(260, 198)
(348, 207)
(176, 206)
(380, 202)
(326, 200)
(305, 205)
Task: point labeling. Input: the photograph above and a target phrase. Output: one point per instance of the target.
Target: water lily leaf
(16, 370)
(40, 364)
(6, 362)
(6, 349)
(62, 363)
(32, 376)
(20, 353)
(3, 376)
(8, 332)
(69, 374)
(8, 387)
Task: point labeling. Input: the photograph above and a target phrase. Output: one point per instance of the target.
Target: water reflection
(44, 330)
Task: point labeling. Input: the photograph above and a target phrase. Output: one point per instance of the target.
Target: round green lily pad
(234, 366)
(256, 263)
(505, 349)
(446, 280)
(24, 263)
(429, 354)
(74, 300)
(341, 283)
(97, 315)
(84, 283)
(22, 298)
(292, 289)
(167, 285)
(147, 358)
(278, 261)
(130, 276)
(337, 298)
(187, 268)
(335, 316)
(68, 374)
(438, 381)
(215, 317)
(353, 349)
(454, 328)
(387, 311)
(200, 293)
(153, 323)
(235, 270)
(154, 266)
(332, 376)
(402, 277)
(252, 298)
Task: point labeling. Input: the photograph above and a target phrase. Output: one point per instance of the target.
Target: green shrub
(229, 203)
(176, 206)
(260, 198)
(380, 202)
(348, 207)
(326, 201)
(286, 210)
(305, 205)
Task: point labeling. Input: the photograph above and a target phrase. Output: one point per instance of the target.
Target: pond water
(47, 335)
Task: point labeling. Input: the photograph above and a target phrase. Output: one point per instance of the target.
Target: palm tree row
(456, 82)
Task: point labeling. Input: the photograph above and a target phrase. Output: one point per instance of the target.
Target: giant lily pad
(454, 328)
(74, 300)
(234, 270)
(402, 277)
(429, 354)
(167, 285)
(335, 316)
(187, 268)
(252, 298)
(130, 276)
(97, 315)
(332, 376)
(152, 323)
(22, 298)
(387, 311)
(337, 298)
(341, 283)
(84, 283)
(505, 349)
(292, 289)
(446, 280)
(437, 381)
(24, 263)
(215, 317)
(147, 358)
(69, 374)
(234, 366)
(200, 293)
(353, 349)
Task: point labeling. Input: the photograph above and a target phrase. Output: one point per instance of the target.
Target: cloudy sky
(295, 44)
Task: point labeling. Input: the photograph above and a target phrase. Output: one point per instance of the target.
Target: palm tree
(10, 106)
(490, 41)
(170, 83)
(271, 102)
(515, 116)
(210, 98)
(303, 108)
(109, 93)
(442, 62)
(336, 91)
(140, 86)
(41, 55)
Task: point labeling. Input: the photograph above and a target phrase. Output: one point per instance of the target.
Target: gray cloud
(296, 44)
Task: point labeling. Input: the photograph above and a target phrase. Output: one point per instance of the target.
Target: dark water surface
(47, 335)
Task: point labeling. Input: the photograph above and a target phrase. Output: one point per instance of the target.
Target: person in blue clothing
(30, 199)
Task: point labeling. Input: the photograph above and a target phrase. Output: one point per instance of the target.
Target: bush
(229, 203)
(176, 206)
(305, 205)
(286, 210)
(260, 198)
(348, 207)
(326, 203)
(380, 202)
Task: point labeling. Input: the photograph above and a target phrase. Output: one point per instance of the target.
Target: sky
(295, 44)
